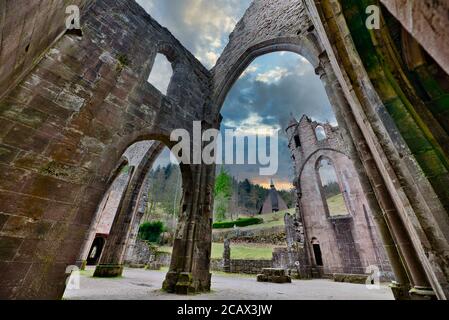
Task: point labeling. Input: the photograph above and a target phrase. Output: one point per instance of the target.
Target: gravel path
(138, 284)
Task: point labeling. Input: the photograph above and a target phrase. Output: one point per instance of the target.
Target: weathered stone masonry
(349, 243)
(65, 128)
(70, 106)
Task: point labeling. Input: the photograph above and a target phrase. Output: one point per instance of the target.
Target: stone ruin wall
(347, 245)
(65, 128)
(27, 30)
(107, 209)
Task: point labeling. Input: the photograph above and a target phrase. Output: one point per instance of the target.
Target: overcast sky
(202, 26)
(271, 88)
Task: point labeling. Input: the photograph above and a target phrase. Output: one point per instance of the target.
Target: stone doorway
(317, 252)
(95, 251)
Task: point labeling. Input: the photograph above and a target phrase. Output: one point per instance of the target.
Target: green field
(251, 251)
(270, 220)
(238, 251)
(337, 206)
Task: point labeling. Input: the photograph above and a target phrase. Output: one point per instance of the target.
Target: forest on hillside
(232, 198)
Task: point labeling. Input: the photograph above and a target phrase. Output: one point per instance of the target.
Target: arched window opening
(330, 189)
(95, 251)
(161, 73)
(320, 133)
(317, 252)
(297, 141)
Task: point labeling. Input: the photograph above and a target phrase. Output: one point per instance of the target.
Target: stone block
(350, 278)
(262, 278)
(280, 279)
(184, 284)
(399, 292)
(273, 272)
(153, 266)
(9, 247)
(108, 271)
(274, 275)
(170, 282)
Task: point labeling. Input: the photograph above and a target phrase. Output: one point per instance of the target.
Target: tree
(164, 194)
(221, 205)
(223, 194)
(223, 183)
(151, 231)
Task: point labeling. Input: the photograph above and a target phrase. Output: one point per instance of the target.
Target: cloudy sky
(272, 87)
(202, 26)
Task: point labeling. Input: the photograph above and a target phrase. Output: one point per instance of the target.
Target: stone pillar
(306, 261)
(379, 200)
(190, 263)
(127, 219)
(110, 264)
(142, 202)
(189, 268)
(432, 33)
(227, 256)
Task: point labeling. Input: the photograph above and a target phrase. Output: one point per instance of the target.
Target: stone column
(110, 264)
(126, 219)
(227, 256)
(142, 202)
(189, 268)
(379, 200)
(190, 263)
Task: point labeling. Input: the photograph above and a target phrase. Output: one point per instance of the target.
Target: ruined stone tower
(340, 234)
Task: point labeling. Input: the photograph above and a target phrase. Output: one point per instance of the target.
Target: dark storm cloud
(288, 85)
(300, 92)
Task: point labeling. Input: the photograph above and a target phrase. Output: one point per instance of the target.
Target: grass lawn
(251, 251)
(270, 220)
(337, 206)
(238, 251)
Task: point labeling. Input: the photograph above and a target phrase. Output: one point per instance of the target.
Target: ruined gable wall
(66, 126)
(348, 245)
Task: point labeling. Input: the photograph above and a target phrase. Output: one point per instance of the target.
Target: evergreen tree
(223, 194)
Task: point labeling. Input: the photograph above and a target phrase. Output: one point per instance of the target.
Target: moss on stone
(123, 62)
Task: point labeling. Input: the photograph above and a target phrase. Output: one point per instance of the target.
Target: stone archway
(384, 151)
(126, 219)
(255, 35)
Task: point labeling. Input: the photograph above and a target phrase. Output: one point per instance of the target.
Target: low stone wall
(249, 266)
(159, 260)
(350, 278)
(273, 235)
(242, 266)
(142, 256)
(216, 265)
(138, 255)
(163, 258)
